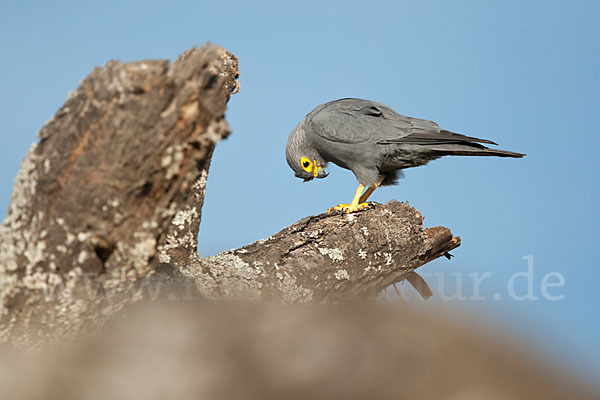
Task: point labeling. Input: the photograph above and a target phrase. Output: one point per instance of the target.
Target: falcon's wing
(359, 121)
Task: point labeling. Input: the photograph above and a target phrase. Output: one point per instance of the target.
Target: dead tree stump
(115, 186)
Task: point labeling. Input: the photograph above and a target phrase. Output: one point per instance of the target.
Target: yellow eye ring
(306, 164)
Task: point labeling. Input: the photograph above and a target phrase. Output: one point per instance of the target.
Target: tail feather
(471, 149)
(447, 143)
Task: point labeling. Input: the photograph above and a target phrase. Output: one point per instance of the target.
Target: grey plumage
(374, 142)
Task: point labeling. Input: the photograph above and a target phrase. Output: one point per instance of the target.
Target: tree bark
(327, 258)
(102, 193)
(114, 189)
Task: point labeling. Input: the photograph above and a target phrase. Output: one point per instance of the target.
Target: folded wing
(360, 121)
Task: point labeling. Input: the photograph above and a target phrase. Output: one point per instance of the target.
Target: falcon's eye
(306, 164)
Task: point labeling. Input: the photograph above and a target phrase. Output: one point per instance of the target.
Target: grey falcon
(375, 143)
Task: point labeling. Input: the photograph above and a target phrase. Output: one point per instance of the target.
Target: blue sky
(524, 74)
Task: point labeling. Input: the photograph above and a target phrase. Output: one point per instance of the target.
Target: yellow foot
(347, 208)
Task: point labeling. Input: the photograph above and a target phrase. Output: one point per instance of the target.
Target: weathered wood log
(113, 192)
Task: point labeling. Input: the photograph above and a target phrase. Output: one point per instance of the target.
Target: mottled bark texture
(327, 258)
(112, 194)
(117, 177)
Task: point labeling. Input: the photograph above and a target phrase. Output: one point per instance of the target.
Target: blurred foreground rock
(185, 350)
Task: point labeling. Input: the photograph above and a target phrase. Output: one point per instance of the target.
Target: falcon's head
(305, 160)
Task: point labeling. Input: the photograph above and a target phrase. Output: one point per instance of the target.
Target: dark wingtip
(460, 136)
(506, 153)
(478, 140)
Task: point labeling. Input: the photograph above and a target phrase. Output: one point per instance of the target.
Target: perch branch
(328, 258)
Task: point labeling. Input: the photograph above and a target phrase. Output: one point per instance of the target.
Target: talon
(348, 208)
(358, 207)
(340, 207)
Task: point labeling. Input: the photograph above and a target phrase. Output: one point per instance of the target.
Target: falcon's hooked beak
(319, 172)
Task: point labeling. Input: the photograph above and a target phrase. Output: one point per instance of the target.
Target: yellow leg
(369, 191)
(356, 205)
